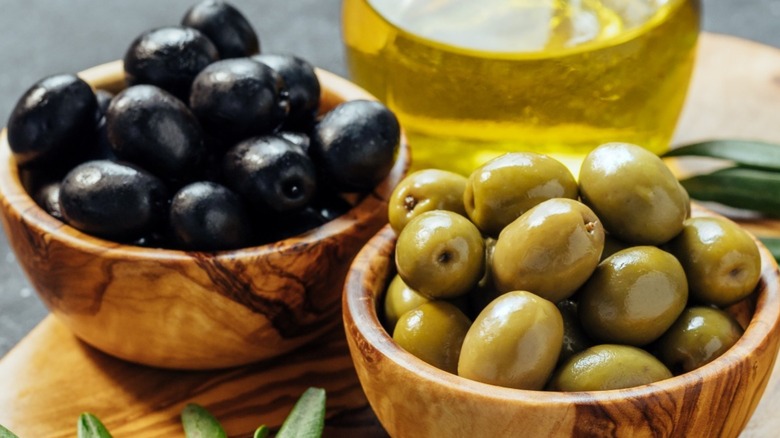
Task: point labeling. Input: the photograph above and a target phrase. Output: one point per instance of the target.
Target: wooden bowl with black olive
(413, 398)
(178, 307)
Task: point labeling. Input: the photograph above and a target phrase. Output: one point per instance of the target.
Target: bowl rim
(359, 310)
(111, 76)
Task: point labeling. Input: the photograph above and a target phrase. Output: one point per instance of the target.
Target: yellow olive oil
(472, 79)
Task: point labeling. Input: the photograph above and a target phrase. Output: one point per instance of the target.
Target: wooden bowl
(192, 310)
(414, 399)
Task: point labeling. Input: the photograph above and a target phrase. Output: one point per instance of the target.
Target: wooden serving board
(50, 377)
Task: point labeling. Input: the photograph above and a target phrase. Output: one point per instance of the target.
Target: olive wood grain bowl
(414, 399)
(192, 310)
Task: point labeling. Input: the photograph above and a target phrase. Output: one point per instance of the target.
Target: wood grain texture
(192, 310)
(51, 377)
(714, 400)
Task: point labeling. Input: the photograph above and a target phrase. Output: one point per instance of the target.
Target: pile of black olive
(212, 146)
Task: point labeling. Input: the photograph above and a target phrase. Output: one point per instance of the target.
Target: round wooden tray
(50, 377)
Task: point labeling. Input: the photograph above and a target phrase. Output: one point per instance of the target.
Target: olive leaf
(749, 154)
(738, 187)
(773, 245)
(89, 426)
(307, 418)
(262, 432)
(5, 433)
(199, 423)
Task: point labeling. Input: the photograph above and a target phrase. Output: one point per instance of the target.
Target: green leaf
(89, 426)
(199, 423)
(262, 432)
(738, 187)
(5, 433)
(750, 154)
(307, 418)
(773, 245)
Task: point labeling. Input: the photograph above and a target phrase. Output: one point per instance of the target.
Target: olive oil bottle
(471, 79)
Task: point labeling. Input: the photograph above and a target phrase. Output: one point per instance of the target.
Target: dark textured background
(43, 37)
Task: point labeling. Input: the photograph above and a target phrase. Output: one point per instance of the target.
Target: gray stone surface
(42, 37)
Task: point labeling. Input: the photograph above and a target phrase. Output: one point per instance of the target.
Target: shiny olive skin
(270, 173)
(48, 198)
(687, 200)
(206, 216)
(574, 338)
(400, 299)
(169, 58)
(302, 85)
(225, 26)
(113, 200)
(433, 332)
(355, 144)
(633, 297)
(239, 98)
(698, 337)
(425, 190)
(440, 254)
(720, 259)
(53, 119)
(149, 127)
(606, 367)
(502, 189)
(634, 193)
(514, 342)
(550, 250)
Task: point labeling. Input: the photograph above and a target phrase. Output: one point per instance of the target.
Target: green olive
(574, 337)
(700, 335)
(550, 250)
(440, 254)
(721, 260)
(633, 297)
(425, 190)
(634, 193)
(485, 291)
(606, 367)
(514, 342)
(687, 198)
(612, 245)
(506, 187)
(433, 332)
(400, 299)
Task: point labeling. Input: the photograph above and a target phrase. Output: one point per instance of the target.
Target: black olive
(206, 216)
(102, 149)
(300, 139)
(113, 200)
(225, 26)
(48, 198)
(54, 119)
(273, 226)
(151, 128)
(170, 58)
(103, 101)
(302, 85)
(270, 172)
(355, 145)
(329, 205)
(239, 98)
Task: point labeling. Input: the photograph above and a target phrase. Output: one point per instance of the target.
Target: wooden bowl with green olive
(412, 398)
(192, 309)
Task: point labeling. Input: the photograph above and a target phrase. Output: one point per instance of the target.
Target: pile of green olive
(521, 277)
